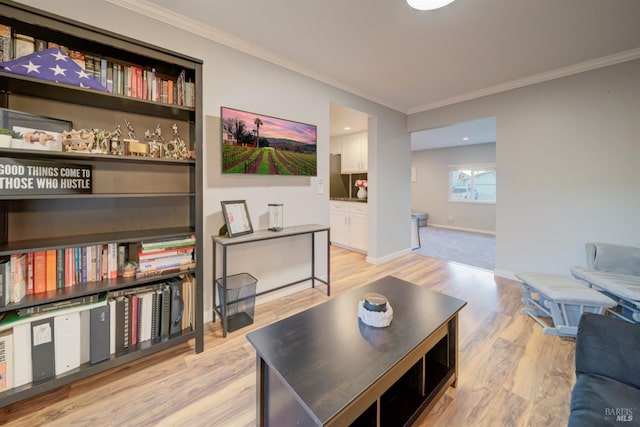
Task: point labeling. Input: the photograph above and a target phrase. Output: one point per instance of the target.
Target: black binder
(42, 349)
(100, 327)
(177, 306)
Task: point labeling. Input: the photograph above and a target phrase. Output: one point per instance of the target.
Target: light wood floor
(510, 373)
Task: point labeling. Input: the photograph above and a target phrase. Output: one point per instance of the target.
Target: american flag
(54, 65)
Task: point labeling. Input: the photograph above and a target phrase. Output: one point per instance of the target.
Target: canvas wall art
(264, 145)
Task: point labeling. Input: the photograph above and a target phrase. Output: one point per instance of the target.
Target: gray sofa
(615, 271)
(607, 388)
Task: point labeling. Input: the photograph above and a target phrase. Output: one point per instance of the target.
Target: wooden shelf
(93, 239)
(76, 95)
(90, 288)
(91, 157)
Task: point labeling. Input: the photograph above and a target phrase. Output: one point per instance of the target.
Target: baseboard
(386, 258)
(470, 230)
(505, 274)
(349, 248)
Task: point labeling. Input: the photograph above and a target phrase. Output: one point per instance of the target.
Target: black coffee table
(325, 367)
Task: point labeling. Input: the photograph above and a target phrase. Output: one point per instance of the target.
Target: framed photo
(236, 217)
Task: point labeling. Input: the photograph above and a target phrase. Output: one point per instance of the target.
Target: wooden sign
(26, 176)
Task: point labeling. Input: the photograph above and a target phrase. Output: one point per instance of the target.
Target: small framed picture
(236, 217)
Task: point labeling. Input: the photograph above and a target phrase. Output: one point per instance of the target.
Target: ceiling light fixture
(465, 138)
(428, 4)
(347, 128)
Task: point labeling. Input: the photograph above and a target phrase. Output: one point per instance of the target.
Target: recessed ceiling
(344, 121)
(414, 60)
(465, 133)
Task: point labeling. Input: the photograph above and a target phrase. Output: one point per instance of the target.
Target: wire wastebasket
(240, 299)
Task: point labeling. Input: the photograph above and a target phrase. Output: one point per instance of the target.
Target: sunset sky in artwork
(274, 128)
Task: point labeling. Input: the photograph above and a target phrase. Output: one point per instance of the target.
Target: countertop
(348, 199)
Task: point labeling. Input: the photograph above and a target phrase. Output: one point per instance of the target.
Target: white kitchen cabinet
(335, 145)
(339, 221)
(349, 225)
(355, 153)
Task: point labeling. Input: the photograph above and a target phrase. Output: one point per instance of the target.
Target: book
(30, 288)
(144, 255)
(85, 336)
(165, 313)
(23, 370)
(168, 243)
(103, 72)
(133, 320)
(6, 360)
(51, 269)
(112, 326)
(59, 305)
(40, 45)
(146, 316)
(67, 342)
(5, 274)
(42, 349)
(121, 339)
(6, 43)
(19, 276)
(39, 272)
(23, 45)
(112, 261)
(59, 268)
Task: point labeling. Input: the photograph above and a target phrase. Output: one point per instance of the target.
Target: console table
(225, 242)
(324, 367)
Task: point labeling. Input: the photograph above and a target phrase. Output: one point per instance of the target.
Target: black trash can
(240, 299)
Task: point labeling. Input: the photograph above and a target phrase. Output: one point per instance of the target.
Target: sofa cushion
(617, 259)
(600, 401)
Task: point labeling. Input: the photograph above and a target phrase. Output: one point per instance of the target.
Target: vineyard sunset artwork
(264, 145)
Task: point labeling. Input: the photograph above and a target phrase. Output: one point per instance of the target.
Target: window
(472, 183)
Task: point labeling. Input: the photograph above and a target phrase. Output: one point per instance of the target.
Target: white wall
(567, 155)
(237, 80)
(430, 192)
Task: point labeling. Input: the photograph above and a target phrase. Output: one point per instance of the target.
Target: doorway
(444, 160)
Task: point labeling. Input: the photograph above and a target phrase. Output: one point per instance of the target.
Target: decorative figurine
(116, 145)
(155, 141)
(176, 147)
(79, 141)
(103, 139)
(134, 146)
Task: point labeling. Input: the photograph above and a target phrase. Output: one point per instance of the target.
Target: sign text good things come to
(26, 176)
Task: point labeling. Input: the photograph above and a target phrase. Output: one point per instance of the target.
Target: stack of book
(163, 256)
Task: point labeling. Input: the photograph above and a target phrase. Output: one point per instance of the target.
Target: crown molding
(198, 28)
(169, 17)
(594, 64)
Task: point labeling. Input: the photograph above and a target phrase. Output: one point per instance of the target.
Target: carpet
(475, 249)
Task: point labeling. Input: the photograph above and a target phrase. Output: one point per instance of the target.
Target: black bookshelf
(134, 199)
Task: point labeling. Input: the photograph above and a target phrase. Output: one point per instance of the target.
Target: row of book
(43, 271)
(117, 77)
(38, 347)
